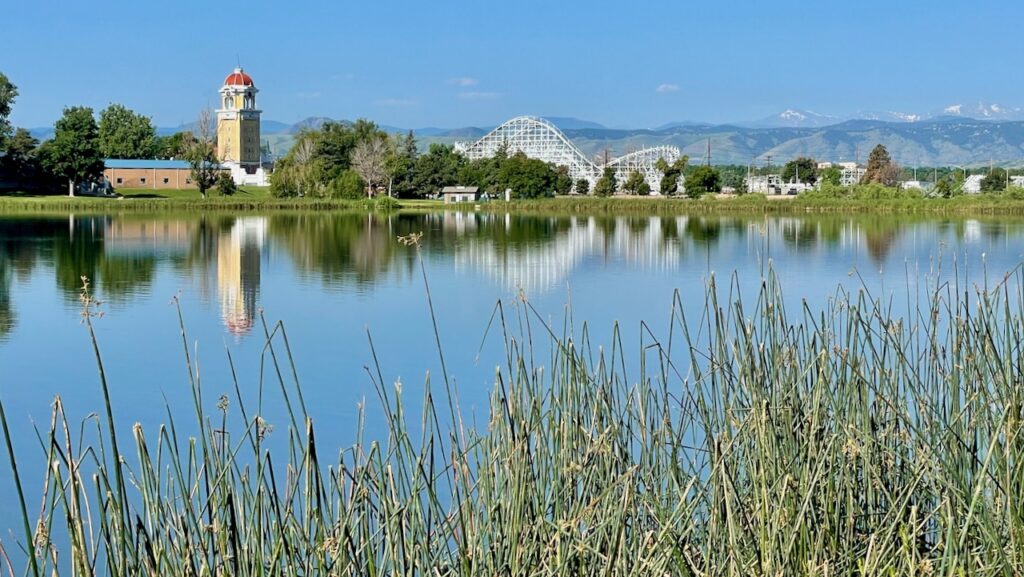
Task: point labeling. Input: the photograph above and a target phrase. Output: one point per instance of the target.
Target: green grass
(984, 204)
(146, 200)
(247, 192)
(750, 440)
(257, 199)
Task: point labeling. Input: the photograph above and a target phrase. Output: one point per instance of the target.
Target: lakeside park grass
(247, 199)
(749, 440)
(256, 199)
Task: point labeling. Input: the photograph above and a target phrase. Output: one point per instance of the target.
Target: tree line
(358, 160)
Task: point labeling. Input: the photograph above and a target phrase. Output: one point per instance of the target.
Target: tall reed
(748, 441)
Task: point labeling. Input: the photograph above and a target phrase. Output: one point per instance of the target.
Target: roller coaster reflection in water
(538, 138)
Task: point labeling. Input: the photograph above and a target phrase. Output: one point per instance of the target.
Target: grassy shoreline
(753, 441)
(257, 200)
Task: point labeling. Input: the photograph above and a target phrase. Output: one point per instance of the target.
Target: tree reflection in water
(122, 253)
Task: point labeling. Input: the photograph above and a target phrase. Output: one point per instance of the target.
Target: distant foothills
(918, 140)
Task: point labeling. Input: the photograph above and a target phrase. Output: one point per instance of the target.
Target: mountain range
(956, 135)
(939, 140)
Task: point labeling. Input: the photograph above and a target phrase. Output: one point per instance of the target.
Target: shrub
(226, 185)
(348, 185)
(383, 204)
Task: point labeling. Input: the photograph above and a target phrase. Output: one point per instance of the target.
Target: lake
(334, 279)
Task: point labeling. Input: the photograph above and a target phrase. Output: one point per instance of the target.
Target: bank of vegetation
(750, 440)
(337, 165)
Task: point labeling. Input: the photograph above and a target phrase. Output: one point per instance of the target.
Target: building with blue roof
(144, 173)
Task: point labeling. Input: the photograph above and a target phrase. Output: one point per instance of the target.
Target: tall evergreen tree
(402, 166)
(881, 169)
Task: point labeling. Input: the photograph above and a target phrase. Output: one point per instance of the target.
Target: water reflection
(238, 272)
(227, 255)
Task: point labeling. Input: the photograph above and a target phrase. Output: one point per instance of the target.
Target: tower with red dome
(238, 129)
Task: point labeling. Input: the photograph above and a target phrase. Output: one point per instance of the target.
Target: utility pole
(709, 152)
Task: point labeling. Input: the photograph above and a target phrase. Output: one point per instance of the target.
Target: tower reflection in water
(238, 272)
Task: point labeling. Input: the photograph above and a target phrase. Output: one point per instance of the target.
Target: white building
(972, 185)
(851, 173)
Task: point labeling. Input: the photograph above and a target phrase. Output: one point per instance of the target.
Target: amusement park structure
(538, 138)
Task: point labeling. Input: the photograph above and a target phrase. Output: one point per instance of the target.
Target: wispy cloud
(663, 88)
(396, 102)
(464, 81)
(479, 95)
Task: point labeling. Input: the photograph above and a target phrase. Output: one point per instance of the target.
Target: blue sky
(454, 63)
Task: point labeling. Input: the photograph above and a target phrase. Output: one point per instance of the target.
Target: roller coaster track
(540, 139)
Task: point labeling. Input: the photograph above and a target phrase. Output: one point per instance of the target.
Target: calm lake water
(332, 278)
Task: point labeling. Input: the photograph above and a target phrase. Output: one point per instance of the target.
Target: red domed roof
(238, 78)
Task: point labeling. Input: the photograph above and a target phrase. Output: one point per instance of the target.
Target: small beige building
(455, 194)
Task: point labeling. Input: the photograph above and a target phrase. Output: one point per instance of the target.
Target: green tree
(881, 169)
(199, 152)
(635, 184)
(582, 186)
(301, 172)
(994, 181)
(563, 182)
(402, 166)
(527, 177)
(348, 185)
(701, 180)
(946, 187)
(226, 185)
(800, 169)
(439, 167)
(485, 173)
(336, 141)
(73, 154)
(169, 146)
(125, 134)
(832, 175)
(671, 174)
(21, 161)
(8, 94)
(606, 185)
